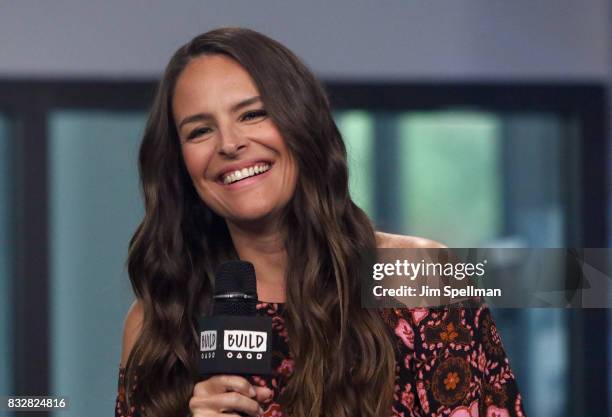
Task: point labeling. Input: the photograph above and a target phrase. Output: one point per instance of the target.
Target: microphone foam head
(235, 277)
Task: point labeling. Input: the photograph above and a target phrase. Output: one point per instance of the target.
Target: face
(236, 157)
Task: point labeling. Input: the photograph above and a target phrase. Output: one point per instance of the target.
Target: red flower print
(274, 410)
(408, 397)
(286, 367)
(419, 314)
(405, 332)
(493, 411)
(449, 334)
(463, 411)
(451, 380)
(422, 393)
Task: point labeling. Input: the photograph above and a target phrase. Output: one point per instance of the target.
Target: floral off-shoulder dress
(450, 362)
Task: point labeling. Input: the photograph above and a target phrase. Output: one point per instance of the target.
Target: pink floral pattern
(450, 363)
(405, 332)
(458, 366)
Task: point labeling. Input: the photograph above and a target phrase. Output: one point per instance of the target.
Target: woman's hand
(221, 393)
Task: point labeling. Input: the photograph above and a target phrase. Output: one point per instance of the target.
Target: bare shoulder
(388, 240)
(131, 329)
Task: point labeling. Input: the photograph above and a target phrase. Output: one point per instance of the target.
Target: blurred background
(475, 123)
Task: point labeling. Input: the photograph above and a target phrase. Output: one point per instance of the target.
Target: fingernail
(260, 411)
(252, 392)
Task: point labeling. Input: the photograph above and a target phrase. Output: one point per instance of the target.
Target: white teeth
(245, 173)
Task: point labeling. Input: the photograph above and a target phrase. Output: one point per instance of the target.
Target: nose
(231, 142)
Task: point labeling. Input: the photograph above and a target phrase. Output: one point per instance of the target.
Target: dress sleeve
(121, 408)
(452, 363)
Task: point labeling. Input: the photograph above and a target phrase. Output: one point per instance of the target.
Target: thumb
(263, 394)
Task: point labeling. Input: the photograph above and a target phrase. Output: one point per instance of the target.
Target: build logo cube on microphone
(235, 345)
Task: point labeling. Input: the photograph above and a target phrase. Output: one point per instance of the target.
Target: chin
(254, 216)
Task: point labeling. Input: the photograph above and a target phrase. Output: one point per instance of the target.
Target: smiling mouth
(244, 173)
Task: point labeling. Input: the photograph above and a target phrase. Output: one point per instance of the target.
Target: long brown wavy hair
(176, 248)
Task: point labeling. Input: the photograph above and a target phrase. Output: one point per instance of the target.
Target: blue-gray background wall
(399, 39)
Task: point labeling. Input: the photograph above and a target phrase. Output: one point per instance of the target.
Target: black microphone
(234, 340)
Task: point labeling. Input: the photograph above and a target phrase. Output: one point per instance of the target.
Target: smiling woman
(226, 135)
(241, 159)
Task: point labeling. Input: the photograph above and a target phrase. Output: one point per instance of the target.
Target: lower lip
(247, 181)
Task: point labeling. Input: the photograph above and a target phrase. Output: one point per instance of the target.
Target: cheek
(190, 164)
(196, 161)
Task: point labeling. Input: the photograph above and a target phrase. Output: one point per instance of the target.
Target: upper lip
(239, 165)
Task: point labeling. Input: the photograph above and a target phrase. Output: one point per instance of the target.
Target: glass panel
(357, 129)
(94, 208)
(6, 255)
(540, 157)
(450, 173)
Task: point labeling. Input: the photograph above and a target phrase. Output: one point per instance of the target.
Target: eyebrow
(203, 116)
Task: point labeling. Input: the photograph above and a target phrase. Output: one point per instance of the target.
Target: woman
(241, 159)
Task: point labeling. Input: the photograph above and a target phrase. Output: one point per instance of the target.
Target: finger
(233, 401)
(263, 394)
(227, 402)
(206, 413)
(209, 413)
(201, 407)
(220, 384)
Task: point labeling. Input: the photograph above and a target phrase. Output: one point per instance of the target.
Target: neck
(265, 249)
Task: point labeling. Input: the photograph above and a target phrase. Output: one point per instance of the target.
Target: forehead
(213, 80)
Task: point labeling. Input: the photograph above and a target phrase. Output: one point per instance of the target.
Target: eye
(198, 132)
(252, 115)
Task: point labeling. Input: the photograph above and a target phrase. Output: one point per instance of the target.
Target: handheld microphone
(234, 340)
